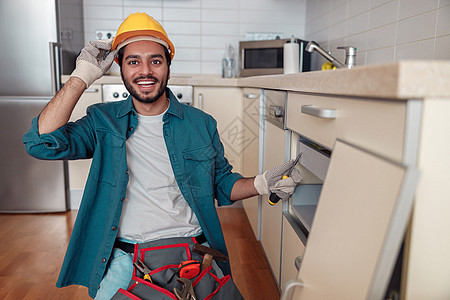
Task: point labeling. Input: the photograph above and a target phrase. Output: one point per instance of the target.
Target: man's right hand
(94, 60)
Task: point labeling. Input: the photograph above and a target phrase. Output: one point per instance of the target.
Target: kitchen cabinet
(367, 196)
(79, 169)
(225, 105)
(292, 248)
(375, 124)
(250, 158)
(271, 216)
(358, 226)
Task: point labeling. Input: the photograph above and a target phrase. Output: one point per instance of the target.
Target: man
(157, 164)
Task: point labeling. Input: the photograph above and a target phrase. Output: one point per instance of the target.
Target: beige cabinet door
(271, 216)
(225, 105)
(79, 169)
(292, 247)
(358, 227)
(251, 151)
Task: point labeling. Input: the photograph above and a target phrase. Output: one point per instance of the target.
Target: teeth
(146, 82)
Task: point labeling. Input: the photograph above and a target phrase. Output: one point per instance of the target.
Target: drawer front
(377, 125)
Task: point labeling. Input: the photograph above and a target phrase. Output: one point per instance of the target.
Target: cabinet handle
(200, 101)
(324, 113)
(91, 90)
(298, 262)
(289, 285)
(250, 96)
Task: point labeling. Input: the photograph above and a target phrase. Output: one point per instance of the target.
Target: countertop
(399, 80)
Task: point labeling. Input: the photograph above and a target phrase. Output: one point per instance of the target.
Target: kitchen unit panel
(373, 124)
(225, 105)
(358, 228)
(251, 103)
(292, 248)
(271, 216)
(79, 169)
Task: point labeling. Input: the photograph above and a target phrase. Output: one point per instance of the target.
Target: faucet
(350, 55)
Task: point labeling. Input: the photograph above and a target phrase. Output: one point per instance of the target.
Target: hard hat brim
(123, 36)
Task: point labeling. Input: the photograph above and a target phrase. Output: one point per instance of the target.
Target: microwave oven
(266, 57)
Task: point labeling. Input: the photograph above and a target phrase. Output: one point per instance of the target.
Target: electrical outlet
(66, 34)
(104, 34)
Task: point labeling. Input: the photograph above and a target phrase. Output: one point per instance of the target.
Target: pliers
(187, 293)
(143, 269)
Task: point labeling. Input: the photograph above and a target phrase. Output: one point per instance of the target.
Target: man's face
(145, 71)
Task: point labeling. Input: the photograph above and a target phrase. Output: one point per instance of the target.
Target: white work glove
(271, 181)
(94, 60)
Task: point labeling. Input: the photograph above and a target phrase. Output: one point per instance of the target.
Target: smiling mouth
(145, 83)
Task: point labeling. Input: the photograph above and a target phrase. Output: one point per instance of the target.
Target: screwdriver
(273, 198)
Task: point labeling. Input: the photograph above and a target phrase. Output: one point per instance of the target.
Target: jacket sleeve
(75, 140)
(224, 177)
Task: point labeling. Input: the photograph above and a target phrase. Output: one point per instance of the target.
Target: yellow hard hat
(139, 25)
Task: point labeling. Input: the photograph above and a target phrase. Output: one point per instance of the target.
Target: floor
(33, 246)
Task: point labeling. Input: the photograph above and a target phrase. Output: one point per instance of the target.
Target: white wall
(382, 30)
(201, 29)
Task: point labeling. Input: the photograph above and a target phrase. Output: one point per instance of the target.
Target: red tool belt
(168, 260)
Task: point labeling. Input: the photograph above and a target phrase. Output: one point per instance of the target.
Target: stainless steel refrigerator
(40, 40)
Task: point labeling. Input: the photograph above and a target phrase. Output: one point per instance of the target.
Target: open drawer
(373, 124)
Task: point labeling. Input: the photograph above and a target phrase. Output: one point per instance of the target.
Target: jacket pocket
(200, 168)
(107, 158)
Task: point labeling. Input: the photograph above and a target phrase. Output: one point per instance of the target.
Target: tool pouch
(163, 258)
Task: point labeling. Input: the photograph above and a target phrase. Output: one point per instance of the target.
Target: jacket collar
(174, 107)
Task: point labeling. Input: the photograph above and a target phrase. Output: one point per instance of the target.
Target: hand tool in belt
(187, 292)
(143, 269)
(208, 255)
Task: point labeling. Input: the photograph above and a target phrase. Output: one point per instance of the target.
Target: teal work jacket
(197, 157)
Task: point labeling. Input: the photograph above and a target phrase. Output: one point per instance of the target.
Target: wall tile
(186, 54)
(212, 55)
(417, 28)
(181, 3)
(186, 67)
(383, 55)
(149, 3)
(339, 13)
(409, 8)
(376, 3)
(443, 3)
(185, 41)
(441, 48)
(220, 28)
(102, 2)
(211, 67)
(220, 15)
(219, 42)
(415, 50)
(443, 21)
(220, 4)
(93, 25)
(392, 33)
(338, 30)
(181, 14)
(356, 7)
(383, 14)
(181, 28)
(382, 37)
(360, 41)
(103, 12)
(358, 24)
(155, 12)
(271, 5)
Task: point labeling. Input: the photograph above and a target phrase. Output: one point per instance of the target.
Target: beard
(145, 97)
